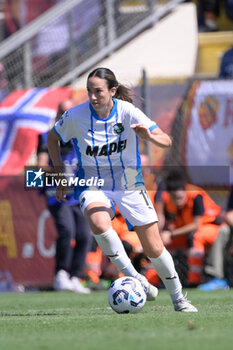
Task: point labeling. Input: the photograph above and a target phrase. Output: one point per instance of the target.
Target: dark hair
(175, 180)
(122, 92)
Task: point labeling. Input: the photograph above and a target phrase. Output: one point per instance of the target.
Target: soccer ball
(126, 295)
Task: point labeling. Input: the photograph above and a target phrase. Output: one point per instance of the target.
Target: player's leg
(162, 261)
(200, 242)
(99, 219)
(163, 264)
(99, 213)
(65, 225)
(139, 212)
(83, 239)
(215, 264)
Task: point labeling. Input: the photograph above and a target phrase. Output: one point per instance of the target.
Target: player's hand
(61, 194)
(142, 131)
(61, 190)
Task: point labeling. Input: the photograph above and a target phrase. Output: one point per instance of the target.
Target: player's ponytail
(122, 92)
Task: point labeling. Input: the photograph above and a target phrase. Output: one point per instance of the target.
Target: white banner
(209, 135)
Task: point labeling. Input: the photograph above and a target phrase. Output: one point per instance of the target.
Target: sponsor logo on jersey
(118, 128)
(105, 150)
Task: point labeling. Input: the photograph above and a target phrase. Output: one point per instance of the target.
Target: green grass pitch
(50, 320)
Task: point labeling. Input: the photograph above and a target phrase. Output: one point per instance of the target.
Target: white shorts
(135, 206)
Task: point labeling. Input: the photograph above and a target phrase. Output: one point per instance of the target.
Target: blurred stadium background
(155, 47)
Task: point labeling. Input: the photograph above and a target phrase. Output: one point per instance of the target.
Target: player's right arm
(53, 142)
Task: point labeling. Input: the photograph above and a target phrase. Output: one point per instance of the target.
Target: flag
(24, 114)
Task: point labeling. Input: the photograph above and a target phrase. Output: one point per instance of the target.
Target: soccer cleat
(214, 284)
(78, 287)
(184, 305)
(151, 291)
(62, 281)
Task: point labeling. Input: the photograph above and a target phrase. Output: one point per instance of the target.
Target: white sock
(112, 246)
(165, 268)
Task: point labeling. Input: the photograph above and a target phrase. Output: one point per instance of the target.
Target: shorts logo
(118, 128)
(34, 178)
(82, 202)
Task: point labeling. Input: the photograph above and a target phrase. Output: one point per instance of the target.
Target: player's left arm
(156, 136)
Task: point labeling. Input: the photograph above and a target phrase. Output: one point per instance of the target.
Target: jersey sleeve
(42, 143)
(198, 206)
(138, 117)
(63, 128)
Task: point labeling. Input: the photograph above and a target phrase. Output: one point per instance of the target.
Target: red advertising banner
(27, 234)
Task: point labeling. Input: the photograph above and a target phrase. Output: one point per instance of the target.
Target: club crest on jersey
(118, 128)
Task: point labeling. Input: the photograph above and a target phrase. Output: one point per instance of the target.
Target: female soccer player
(105, 133)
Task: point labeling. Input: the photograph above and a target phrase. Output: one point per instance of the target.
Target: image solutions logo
(34, 178)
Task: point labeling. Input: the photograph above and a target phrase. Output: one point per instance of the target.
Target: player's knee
(99, 219)
(99, 224)
(154, 251)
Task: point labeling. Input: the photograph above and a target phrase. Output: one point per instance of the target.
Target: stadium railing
(72, 36)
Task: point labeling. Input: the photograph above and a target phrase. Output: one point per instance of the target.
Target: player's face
(99, 95)
(179, 197)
